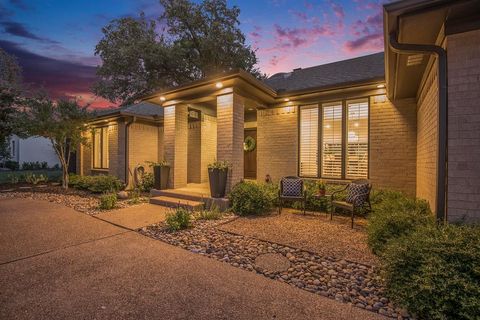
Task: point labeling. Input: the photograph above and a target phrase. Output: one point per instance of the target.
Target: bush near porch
(96, 184)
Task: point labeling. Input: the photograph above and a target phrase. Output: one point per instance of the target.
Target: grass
(53, 175)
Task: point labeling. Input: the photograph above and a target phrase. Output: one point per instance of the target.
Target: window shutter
(357, 146)
(309, 141)
(105, 147)
(332, 140)
(97, 144)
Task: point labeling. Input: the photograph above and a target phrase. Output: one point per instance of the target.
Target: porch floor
(198, 189)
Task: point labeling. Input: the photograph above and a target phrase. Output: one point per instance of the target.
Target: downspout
(441, 54)
(127, 158)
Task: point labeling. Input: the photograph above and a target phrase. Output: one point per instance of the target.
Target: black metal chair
(358, 195)
(291, 189)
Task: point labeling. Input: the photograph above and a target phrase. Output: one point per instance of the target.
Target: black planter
(160, 177)
(218, 182)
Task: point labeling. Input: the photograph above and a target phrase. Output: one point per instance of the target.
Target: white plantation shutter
(332, 140)
(97, 145)
(309, 141)
(357, 139)
(105, 147)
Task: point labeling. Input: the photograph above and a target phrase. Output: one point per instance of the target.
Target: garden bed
(345, 281)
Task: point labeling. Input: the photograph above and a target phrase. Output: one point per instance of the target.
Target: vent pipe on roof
(297, 69)
(441, 54)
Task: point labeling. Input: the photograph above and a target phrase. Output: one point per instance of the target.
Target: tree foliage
(10, 91)
(197, 40)
(62, 122)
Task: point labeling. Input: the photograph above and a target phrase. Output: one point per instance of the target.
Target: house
(32, 149)
(391, 117)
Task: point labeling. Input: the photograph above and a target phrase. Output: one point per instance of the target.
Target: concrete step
(192, 196)
(173, 202)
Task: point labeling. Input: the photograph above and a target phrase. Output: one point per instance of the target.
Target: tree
(198, 40)
(62, 122)
(10, 90)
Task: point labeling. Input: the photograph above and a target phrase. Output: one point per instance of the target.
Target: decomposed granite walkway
(66, 265)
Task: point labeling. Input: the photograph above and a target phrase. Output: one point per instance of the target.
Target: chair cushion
(357, 194)
(292, 187)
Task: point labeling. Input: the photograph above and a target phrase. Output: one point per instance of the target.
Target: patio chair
(291, 189)
(358, 196)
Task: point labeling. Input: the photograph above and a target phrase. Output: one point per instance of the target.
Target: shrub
(434, 272)
(213, 214)
(12, 165)
(96, 184)
(33, 165)
(252, 198)
(147, 182)
(178, 219)
(34, 179)
(108, 201)
(393, 216)
(13, 178)
(134, 196)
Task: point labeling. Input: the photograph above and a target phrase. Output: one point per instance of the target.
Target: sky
(54, 40)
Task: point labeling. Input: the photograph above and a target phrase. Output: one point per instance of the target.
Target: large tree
(10, 90)
(62, 122)
(197, 40)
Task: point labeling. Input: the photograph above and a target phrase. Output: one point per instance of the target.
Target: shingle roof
(143, 108)
(332, 74)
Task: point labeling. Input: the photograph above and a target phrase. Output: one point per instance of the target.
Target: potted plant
(161, 172)
(322, 187)
(217, 175)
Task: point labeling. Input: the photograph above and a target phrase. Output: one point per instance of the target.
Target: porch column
(176, 143)
(230, 122)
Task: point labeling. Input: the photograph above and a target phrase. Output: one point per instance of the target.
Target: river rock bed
(342, 280)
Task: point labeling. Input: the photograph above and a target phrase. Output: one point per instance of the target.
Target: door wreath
(249, 144)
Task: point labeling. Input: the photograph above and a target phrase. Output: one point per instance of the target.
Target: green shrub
(34, 179)
(179, 219)
(96, 184)
(147, 182)
(13, 178)
(212, 214)
(12, 165)
(134, 196)
(251, 198)
(108, 201)
(393, 216)
(434, 272)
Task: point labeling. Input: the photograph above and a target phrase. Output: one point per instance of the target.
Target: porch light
(162, 98)
(286, 99)
(219, 85)
(380, 86)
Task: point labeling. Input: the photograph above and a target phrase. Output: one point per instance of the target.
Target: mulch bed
(345, 281)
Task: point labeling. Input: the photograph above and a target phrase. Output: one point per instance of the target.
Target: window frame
(320, 104)
(102, 130)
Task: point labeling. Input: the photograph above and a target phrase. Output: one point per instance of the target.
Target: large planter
(160, 177)
(218, 182)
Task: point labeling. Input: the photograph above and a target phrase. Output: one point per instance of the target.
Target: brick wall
(427, 139)
(230, 122)
(194, 152)
(464, 126)
(175, 139)
(209, 144)
(393, 144)
(277, 142)
(142, 145)
(161, 150)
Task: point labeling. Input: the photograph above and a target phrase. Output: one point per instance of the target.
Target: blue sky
(55, 39)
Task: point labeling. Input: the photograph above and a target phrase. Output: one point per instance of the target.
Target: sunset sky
(54, 40)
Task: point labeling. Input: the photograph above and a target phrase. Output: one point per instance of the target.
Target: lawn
(51, 174)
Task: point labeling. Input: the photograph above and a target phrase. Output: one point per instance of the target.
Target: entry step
(177, 202)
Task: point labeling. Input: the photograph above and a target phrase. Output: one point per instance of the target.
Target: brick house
(391, 117)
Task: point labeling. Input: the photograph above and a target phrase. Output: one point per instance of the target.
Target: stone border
(345, 281)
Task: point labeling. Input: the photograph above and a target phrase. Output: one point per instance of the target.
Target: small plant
(147, 182)
(34, 179)
(251, 198)
(134, 196)
(220, 165)
(108, 201)
(322, 187)
(43, 178)
(13, 178)
(178, 219)
(162, 163)
(212, 214)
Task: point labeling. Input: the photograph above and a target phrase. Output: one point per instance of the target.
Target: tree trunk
(65, 176)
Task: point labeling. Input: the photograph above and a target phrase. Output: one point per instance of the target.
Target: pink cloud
(297, 37)
(368, 42)
(369, 33)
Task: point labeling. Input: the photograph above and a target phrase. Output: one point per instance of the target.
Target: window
(309, 141)
(100, 148)
(332, 140)
(340, 130)
(357, 146)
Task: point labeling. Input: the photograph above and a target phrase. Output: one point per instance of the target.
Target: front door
(250, 155)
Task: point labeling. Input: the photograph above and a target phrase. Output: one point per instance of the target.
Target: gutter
(127, 158)
(441, 54)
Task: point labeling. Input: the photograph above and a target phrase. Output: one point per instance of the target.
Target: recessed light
(356, 124)
(219, 85)
(162, 98)
(381, 86)
(250, 109)
(286, 99)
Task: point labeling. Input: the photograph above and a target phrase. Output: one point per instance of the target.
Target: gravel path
(312, 233)
(345, 281)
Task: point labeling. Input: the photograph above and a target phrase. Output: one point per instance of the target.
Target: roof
(370, 67)
(142, 109)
